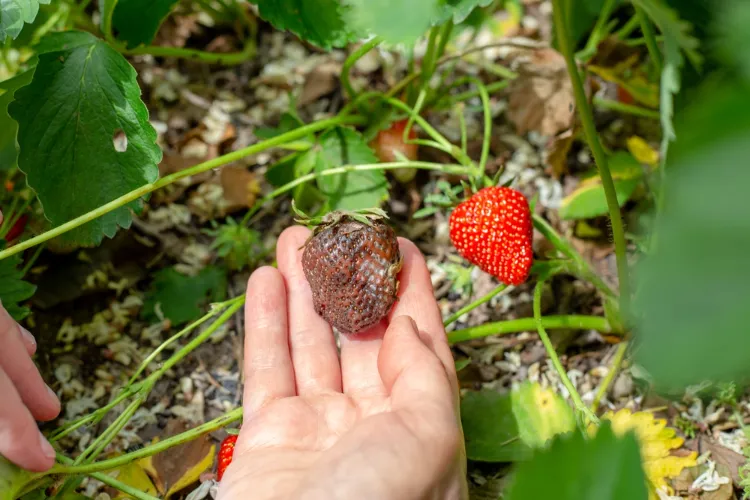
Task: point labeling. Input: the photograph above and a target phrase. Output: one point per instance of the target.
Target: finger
(20, 439)
(410, 371)
(29, 342)
(20, 369)
(268, 365)
(417, 300)
(359, 362)
(313, 346)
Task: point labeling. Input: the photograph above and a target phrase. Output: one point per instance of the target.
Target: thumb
(410, 368)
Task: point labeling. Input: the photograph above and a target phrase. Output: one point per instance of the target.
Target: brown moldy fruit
(352, 261)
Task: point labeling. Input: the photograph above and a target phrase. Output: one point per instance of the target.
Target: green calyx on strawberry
(492, 229)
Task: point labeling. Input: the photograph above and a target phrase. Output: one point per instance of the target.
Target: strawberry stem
(577, 401)
(589, 128)
(506, 327)
(622, 348)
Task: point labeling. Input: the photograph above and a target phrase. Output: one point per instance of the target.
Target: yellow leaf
(193, 473)
(540, 414)
(656, 442)
(133, 475)
(642, 152)
(636, 83)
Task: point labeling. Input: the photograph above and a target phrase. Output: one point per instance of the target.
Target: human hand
(25, 397)
(380, 422)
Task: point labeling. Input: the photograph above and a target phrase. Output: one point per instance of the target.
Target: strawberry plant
(84, 162)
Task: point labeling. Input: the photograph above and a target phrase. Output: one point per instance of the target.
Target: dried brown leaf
(541, 98)
(322, 80)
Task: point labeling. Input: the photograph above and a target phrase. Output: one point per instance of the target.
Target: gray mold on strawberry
(352, 263)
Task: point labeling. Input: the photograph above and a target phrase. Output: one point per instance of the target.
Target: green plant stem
(463, 96)
(487, 113)
(648, 33)
(597, 323)
(622, 347)
(470, 307)
(580, 266)
(628, 28)
(451, 169)
(589, 128)
(114, 483)
(123, 200)
(227, 59)
(113, 463)
(599, 31)
(577, 401)
(626, 108)
(27, 267)
(352, 60)
(97, 446)
(429, 60)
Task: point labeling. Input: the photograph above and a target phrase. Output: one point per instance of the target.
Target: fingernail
(47, 448)
(52, 393)
(27, 335)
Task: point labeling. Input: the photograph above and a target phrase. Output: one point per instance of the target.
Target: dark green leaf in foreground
(15, 13)
(319, 22)
(574, 468)
(691, 312)
(179, 297)
(351, 190)
(396, 21)
(490, 428)
(13, 289)
(137, 21)
(83, 95)
(8, 126)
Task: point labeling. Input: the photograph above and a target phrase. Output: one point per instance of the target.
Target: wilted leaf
(642, 152)
(181, 297)
(137, 21)
(540, 414)
(351, 190)
(541, 98)
(176, 468)
(556, 152)
(135, 476)
(241, 187)
(320, 22)
(576, 468)
(490, 428)
(656, 442)
(13, 289)
(631, 78)
(15, 13)
(589, 199)
(82, 94)
(320, 81)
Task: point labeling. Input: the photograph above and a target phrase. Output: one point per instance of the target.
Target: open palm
(378, 421)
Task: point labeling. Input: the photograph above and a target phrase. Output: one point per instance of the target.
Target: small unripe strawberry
(352, 261)
(493, 230)
(226, 453)
(390, 141)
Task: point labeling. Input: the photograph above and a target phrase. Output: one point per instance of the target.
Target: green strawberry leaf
(576, 468)
(137, 21)
(82, 95)
(15, 13)
(13, 289)
(12, 480)
(349, 190)
(458, 10)
(690, 311)
(589, 199)
(541, 414)
(490, 428)
(396, 21)
(677, 39)
(180, 297)
(8, 126)
(320, 22)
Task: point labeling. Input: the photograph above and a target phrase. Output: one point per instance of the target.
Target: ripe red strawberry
(493, 230)
(352, 261)
(17, 228)
(226, 452)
